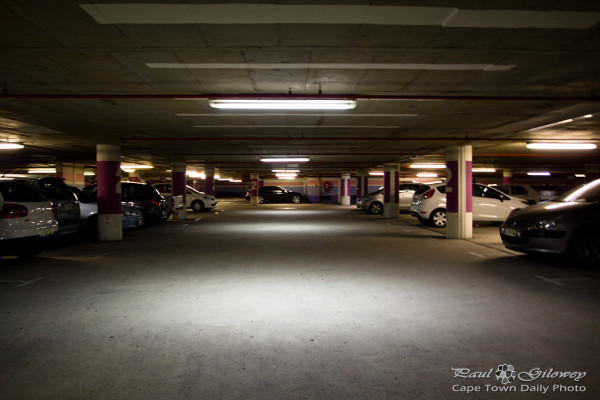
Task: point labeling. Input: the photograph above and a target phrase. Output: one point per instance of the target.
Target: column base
(459, 228)
(110, 227)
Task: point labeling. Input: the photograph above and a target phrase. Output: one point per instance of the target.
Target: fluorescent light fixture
(539, 173)
(427, 175)
(10, 146)
(128, 170)
(42, 171)
(285, 171)
(89, 173)
(428, 166)
(489, 170)
(565, 121)
(561, 146)
(579, 175)
(285, 160)
(376, 173)
(286, 175)
(134, 166)
(282, 104)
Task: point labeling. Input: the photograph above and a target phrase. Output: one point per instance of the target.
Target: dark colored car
(277, 194)
(568, 224)
(141, 195)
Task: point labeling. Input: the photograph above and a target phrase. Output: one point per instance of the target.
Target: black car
(141, 195)
(277, 194)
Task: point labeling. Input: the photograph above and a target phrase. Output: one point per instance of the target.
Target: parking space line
(23, 283)
(477, 255)
(101, 255)
(559, 281)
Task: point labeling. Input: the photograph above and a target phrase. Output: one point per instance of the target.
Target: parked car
(373, 202)
(489, 204)
(548, 192)
(65, 203)
(132, 216)
(194, 199)
(277, 194)
(141, 195)
(27, 218)
(568, 224)
(524, 192)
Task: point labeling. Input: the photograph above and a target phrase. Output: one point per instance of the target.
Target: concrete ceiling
(427, 74)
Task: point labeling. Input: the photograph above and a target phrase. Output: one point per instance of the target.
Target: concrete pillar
(507, 177)
(209, 180)
(254, 189)
(362, 183)
(178, 180)
(71, 173)
(108, 170)
(345, 189)
(459, 192)
(390, 191)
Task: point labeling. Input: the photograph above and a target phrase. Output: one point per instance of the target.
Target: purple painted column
(362, 183)
(108, 171)
(345, 190)
(209, 180)
(178, 181)
(459, 192)
(507, 177)
(390, 190)
(254, 189)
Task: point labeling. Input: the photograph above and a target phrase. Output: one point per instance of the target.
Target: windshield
(586, 193)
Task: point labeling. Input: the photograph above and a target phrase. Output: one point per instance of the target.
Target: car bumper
(538, 242)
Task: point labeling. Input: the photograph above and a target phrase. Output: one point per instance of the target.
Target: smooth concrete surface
(292, 302)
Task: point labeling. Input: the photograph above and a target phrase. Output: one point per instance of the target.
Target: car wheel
(376, 208)
(197, 206)
(586, 248)
(438, 218)
(260, 200)
(296, 199)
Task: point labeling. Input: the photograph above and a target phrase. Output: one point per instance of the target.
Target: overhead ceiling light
(561, 146)
(10, 146)
(135, 166)
(565, 121)
(539, 173)
(376, 173)
(428, 166)
(285, 171)
(282, 104)
(285, 160)
(42, 171)
(285, 175)
(490, 170)
(579, 175)
(89, 173)
(427, 175)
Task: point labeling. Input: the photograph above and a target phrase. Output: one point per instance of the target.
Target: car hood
(552, 209)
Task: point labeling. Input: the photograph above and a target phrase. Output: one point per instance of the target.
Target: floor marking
(23, 283)
(559, 281)
(101, 255)
(197, 219)
(477, 255)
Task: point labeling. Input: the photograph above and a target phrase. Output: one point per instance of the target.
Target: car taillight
(13, 211)
(428, 194)
(154, 202)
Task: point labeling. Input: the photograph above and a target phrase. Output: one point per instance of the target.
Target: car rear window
(422, 189)
(20, 191)
(56, 188)
(442, 189)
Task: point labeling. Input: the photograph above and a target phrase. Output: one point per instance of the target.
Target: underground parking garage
(322, 103)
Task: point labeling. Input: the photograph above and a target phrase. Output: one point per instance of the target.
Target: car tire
(585, 248)
(376, 208)
(296, 199)
(438, 218)
(197, 206)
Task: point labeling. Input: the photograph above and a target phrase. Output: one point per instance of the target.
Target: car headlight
(545, 224)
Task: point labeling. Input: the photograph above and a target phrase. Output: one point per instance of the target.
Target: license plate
(511, 232)
(45, 231)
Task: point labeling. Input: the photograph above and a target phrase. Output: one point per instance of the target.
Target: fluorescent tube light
(285, 175)
(285, 171)
(376, 173)
(10, 146)
(42, 171)
(427, 175)
(566, 121)
(579, 175)
(539, 173)
(285, 160)
(428, 166)
(561, 146)
(134, 167)
(484, 170)
(282, 104)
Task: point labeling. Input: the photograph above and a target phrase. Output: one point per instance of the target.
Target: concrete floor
(293, 302)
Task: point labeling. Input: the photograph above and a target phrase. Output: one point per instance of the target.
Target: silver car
(568, 224)
(373, 202)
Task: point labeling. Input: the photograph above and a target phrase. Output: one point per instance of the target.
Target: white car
(26, 218)
(197, 201)
(524, 192)
(373, 202)
(489, 204)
